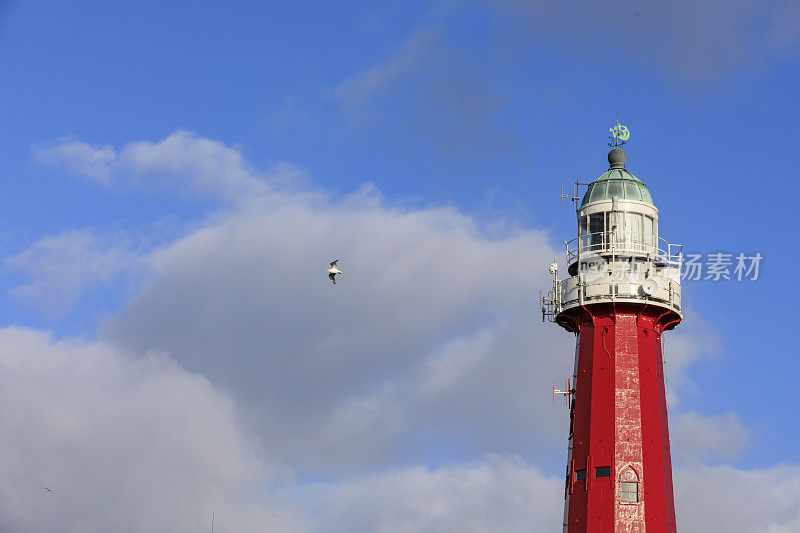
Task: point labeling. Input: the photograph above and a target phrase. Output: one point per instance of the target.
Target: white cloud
(208, 168)
(125, 445)
(694, 339)
(499, 494)
(63, 266)
(506, 494)
(695, 437)
(94, 162)
(182, 162)
(723, 498)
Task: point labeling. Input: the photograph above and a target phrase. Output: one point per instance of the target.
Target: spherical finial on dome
(617, 158)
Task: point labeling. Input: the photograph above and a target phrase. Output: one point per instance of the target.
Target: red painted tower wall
(620, 437)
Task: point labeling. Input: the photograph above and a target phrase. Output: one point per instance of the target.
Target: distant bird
(48, 490)
(332, 271)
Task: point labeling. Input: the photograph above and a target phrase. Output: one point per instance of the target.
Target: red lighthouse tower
(622, 294)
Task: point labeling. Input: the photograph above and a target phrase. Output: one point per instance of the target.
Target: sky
(177, 175)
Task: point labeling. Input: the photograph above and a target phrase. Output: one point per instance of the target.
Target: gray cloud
(455, 97)
(784, 27)
(124, 445)
(358, 89)
(425, 302)
(696, 41)
(450, 105)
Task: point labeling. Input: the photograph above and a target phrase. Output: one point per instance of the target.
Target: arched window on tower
(629, 486)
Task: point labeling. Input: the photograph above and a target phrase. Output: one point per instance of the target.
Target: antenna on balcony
(567, 392)
(567, 196)
(575, 197)
(551, 304)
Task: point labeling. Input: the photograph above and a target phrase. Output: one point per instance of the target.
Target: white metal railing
(621, 243)
(575, 291)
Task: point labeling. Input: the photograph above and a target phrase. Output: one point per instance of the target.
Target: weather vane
(619, 134)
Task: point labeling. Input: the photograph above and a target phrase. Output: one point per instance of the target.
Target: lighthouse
(621, 293)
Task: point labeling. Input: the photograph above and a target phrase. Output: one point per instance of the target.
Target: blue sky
(463, 117)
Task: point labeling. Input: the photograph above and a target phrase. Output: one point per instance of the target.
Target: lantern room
(617, 255)
(616, 217)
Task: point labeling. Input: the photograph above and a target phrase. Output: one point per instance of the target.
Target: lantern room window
(596, 230)
(634, 230)
(649, 231)
(623, 231)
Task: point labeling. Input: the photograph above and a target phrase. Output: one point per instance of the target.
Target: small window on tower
(602, 471)
(629, 486)
(580, 475)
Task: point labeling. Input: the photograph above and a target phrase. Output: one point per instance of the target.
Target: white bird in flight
(332, 271)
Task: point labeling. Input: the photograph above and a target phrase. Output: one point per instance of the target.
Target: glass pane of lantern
(587, 194)
(633, 229)
(596, 228)
(614, 189)
(598, 191)
(616, 226)
(584, 232)
(632, 191)
(648, 231)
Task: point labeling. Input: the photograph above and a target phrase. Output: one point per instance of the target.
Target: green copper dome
(617, 182)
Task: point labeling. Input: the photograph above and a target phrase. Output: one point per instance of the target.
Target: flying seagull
(48, 490)
(332, 271)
